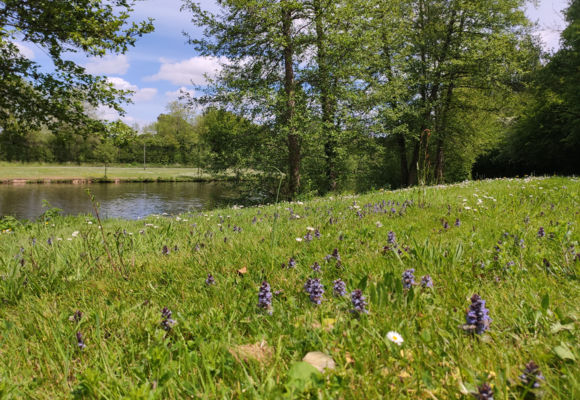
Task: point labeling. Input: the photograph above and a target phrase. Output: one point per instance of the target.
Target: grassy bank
(22, 173)
(82, 317)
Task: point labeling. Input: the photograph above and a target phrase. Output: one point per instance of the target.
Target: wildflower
(291, 263)
(426, 281)
(76, 317)
(532, 376)
(445, 224)
(457, 222)
(265, 297)
(80, 341)
(541, 232)
(315, 267)
(308, 236)
(309, 228)
(317, 234)
(358, 302)
(49, 241)
(315, 290)
(167, 323)
(165, 251)
(210, 280)
(339, 289)
(477, 317)
(395, 337)
(378, 224)
(298, 239)
(75, 234)
(391, 237)
(484, 392)
(408, 278)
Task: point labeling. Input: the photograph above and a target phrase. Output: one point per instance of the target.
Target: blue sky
(162, 63)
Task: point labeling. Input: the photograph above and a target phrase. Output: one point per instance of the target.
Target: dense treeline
(354, 94)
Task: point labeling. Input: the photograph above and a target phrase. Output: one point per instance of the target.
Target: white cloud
(177, 93)
(188, 72)
(25, 50)
(109, 64)
(140, 95)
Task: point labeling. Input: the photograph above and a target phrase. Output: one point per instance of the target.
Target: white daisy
(395, 337)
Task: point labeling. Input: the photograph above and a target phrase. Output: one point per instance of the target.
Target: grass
(67, 173)
(224, 346)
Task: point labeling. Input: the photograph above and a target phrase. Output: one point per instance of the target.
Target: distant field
(10, 172)
(213, 305)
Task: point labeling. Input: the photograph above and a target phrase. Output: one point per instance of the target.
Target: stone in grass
(319, 360)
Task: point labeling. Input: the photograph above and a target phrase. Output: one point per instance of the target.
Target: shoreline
(83, 181)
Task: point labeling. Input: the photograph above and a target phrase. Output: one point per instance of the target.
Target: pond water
(121, 200)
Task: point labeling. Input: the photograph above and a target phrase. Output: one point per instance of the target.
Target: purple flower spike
(265, 297)
(478, 315)
(426, 281)
(167, 323)
(165, 251)
(408, 278)
(358, 302)
(484, 392)
(339, 289)
(315, 267)
(532, 376)
(210, 280)
(457, 222)
(315, 290)
(80, 341)
(541, 232)
(291, 263)
(391, 238)
(317, 234)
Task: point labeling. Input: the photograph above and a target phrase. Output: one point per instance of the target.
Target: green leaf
(302, 375)
(564, 352)
(545, 302)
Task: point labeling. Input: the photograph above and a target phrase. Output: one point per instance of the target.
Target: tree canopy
(31, 96)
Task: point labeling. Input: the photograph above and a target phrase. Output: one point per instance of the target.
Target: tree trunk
(439, 162)
(326, 102)
(403, 159)
(290, 90)
(412, 175)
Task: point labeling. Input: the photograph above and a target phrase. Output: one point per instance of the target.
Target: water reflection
(123, 200)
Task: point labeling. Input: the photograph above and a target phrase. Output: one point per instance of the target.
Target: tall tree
(262, 44)
(31, 97)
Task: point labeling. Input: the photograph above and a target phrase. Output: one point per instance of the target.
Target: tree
(455, 51)
(31, 97)
(263, 42)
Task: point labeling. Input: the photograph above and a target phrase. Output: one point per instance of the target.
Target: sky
(162, 64)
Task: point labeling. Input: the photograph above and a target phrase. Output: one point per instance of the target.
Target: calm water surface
(122, 200)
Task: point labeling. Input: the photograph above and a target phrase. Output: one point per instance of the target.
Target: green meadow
(125, 309)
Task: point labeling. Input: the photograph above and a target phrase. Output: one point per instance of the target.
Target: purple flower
(165, 251)
(76, 317)
(408, 278)
(265, 297)
(391, 237)
(167, 323)
(358, 302)
(291, 262)
(80, 341)
(478, 315)
(315, 267)
(317, 234)
(445, 224)
(308, 236)
(210, 280)
(339, 289)
(541, 232)
(426, 281)
(532, 376)
(457, 222)
(484, 392)
(334, 255)
(315, 290)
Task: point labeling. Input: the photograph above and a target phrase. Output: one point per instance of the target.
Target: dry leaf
(242, 271)
(260, 352)
(319, 360)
